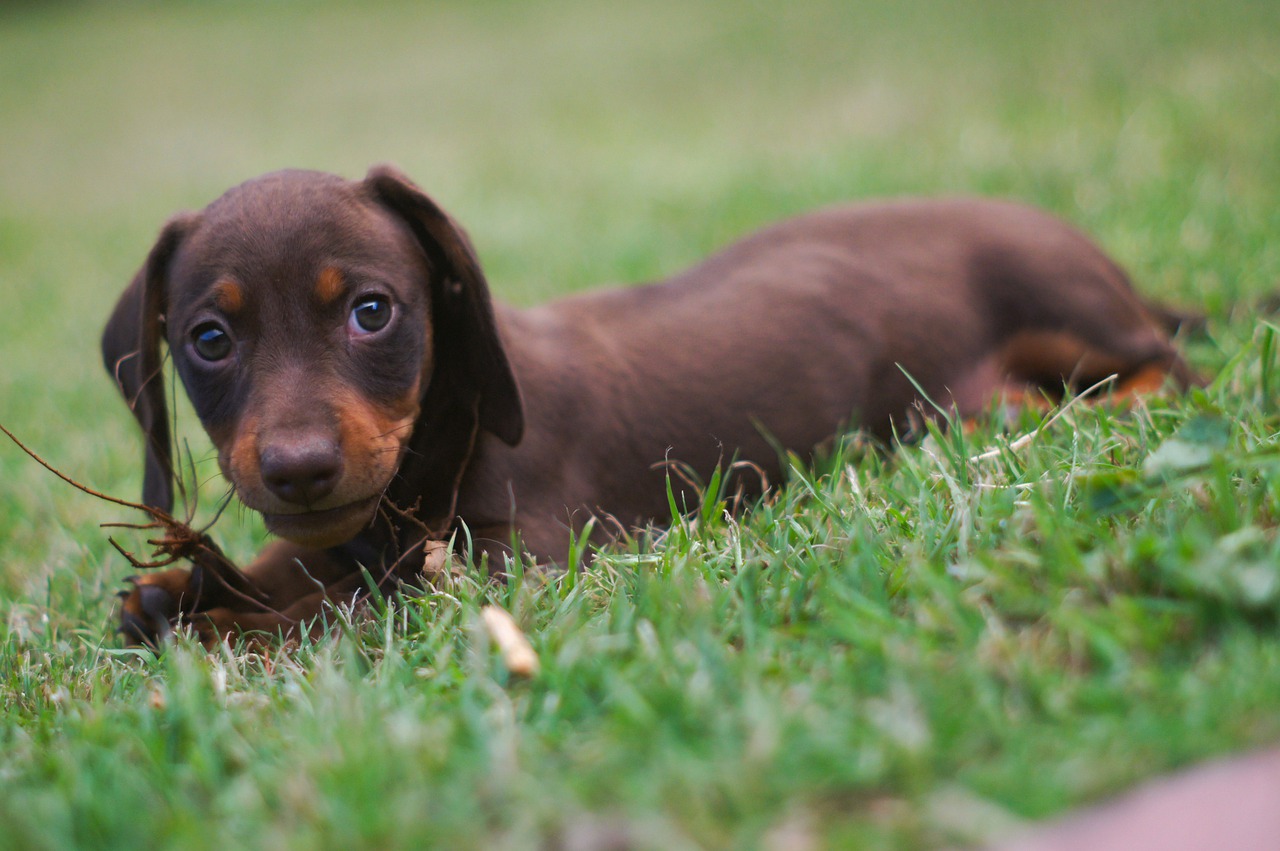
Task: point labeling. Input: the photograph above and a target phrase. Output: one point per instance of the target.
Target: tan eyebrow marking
(329, 284)
(228, 296)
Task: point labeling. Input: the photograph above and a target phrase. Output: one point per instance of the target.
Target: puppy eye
(210, 341)
(370, 313)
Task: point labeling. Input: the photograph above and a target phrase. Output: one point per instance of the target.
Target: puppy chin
(321, 529)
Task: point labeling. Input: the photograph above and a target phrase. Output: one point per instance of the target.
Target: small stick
(84, 488)
(1026, 439)
(180, 540)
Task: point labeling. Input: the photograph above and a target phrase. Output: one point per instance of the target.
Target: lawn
(918, 649)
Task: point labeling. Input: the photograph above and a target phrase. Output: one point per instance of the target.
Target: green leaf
(1240, 570)
(1113, 491)
(1195, 445)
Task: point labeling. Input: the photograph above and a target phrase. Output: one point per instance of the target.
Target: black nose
(302, 471)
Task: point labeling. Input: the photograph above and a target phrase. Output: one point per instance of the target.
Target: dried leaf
(517, 654)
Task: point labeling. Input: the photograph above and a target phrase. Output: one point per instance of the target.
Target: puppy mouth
(324, 528)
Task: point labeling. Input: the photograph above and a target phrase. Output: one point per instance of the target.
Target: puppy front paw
(153, 605)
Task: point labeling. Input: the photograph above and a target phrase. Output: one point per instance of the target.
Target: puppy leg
(1050, 362)
(285, 572)
(304, 615)
(1149, 380)
(1036, 369)
(153, 603)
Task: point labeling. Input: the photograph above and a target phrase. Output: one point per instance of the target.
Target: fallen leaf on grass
(517, 653)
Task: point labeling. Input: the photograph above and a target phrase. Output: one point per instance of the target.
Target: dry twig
(179, 541)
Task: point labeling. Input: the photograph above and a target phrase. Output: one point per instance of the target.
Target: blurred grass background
(583, 143)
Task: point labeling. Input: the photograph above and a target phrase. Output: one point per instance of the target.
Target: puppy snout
(302, 471)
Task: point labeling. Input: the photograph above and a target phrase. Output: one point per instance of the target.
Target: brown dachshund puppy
(339, 345)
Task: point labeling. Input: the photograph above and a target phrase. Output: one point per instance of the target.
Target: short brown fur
(467, 413)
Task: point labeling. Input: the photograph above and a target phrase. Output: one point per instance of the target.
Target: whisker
(401, 427)
(223, 503)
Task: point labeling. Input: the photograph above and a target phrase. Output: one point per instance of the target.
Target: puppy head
(322, 329)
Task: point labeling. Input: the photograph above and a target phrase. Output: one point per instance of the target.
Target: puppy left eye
(370, 314)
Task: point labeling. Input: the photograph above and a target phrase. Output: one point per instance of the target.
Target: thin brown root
(178, 542)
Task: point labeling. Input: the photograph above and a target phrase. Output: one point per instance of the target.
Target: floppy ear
(131, 353)
(467, 350)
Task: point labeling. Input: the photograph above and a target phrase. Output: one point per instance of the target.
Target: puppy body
(339, 344)
(789, 336)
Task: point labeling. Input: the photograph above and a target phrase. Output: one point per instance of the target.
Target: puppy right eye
(211, 341)
(370, 314)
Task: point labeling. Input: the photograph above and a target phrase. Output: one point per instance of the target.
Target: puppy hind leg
(1054, 361)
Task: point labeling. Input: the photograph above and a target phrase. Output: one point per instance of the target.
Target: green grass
(894, 651)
